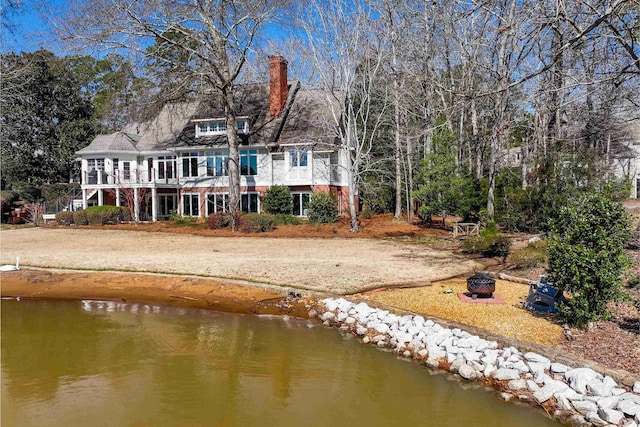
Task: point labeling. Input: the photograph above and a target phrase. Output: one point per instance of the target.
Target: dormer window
(219, 127)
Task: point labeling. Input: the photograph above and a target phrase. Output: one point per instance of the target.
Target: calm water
(106, 364)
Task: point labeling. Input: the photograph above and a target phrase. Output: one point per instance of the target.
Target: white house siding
(627, 168)
(297, 175)
(277, 165)
(321, 168)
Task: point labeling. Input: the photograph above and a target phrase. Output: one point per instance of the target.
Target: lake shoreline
(210, 294)
(174, 290)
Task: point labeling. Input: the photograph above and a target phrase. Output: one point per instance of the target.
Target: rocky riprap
(572, 394)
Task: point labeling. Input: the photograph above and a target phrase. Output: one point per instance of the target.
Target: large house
(178, 162)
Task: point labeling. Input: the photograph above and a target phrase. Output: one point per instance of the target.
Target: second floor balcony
(127, 177)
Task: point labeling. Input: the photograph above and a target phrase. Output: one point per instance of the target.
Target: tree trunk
(353, 211)
(492, 183)
(397, 154)
(410, 202)
(475, 140)
(234, 160)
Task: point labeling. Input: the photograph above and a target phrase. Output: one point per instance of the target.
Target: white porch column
(100, 197)
(136, 205)
(154, 204)
(117, 196)
(84, 199)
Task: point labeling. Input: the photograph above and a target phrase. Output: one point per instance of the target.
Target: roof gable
(304, 119)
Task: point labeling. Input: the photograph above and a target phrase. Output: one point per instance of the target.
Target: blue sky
(30, 32)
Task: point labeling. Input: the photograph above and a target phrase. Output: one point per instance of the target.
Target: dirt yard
(338, 266)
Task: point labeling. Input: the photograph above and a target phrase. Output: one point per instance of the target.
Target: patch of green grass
(15, 226)
(430, 240)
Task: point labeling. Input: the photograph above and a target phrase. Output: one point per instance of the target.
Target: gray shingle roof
(311, 120)
(118, 141)
(303, 120)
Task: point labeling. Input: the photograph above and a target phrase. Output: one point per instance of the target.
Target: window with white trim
(248, 162)
(242, 126)
(149, 169)
(191, 204)
(166, 167)
(217, 163)
(126, 170)
(250, 202)
(166, 204)
(301, 204)
(217, 202)
(219, 127)
(298, 157)
(95, 164)
(189, 165)
(95, 171)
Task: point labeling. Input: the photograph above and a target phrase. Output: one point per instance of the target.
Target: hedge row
(249, 223)
(95, 215)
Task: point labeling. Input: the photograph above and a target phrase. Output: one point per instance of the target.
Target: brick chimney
(279, 85)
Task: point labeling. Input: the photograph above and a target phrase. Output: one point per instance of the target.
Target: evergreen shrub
(587, 256)
(367, 213)
(283, 219)
(322, 208)
(219, 220)
(125, 213)
(490, 243)
(80, 217)
(64, 218)
(101, 215)
(277, 200)
(257, 223)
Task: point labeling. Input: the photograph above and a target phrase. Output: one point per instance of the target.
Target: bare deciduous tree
(347, 60)
(202, 43)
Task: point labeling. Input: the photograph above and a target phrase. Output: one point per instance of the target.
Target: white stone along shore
(578, 396)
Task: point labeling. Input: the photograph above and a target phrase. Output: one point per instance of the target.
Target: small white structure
(9, 267)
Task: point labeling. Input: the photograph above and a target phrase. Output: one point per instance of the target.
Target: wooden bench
(48, 217)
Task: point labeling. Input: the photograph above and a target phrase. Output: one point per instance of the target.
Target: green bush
(277, 200)
(367, 213)
(322, 208)
(80, 217)
(64, 218)
(219, 220)
(177, 219)
(125, 213)
(282, 219)
(101, 215)
(534, 255)
(587, 257)
(490, 243)
(257, 223)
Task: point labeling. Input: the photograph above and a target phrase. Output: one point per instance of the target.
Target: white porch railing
(124, 177)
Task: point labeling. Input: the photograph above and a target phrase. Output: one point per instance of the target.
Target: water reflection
(96, 363)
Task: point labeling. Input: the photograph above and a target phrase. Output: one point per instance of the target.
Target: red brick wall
(279, 84)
